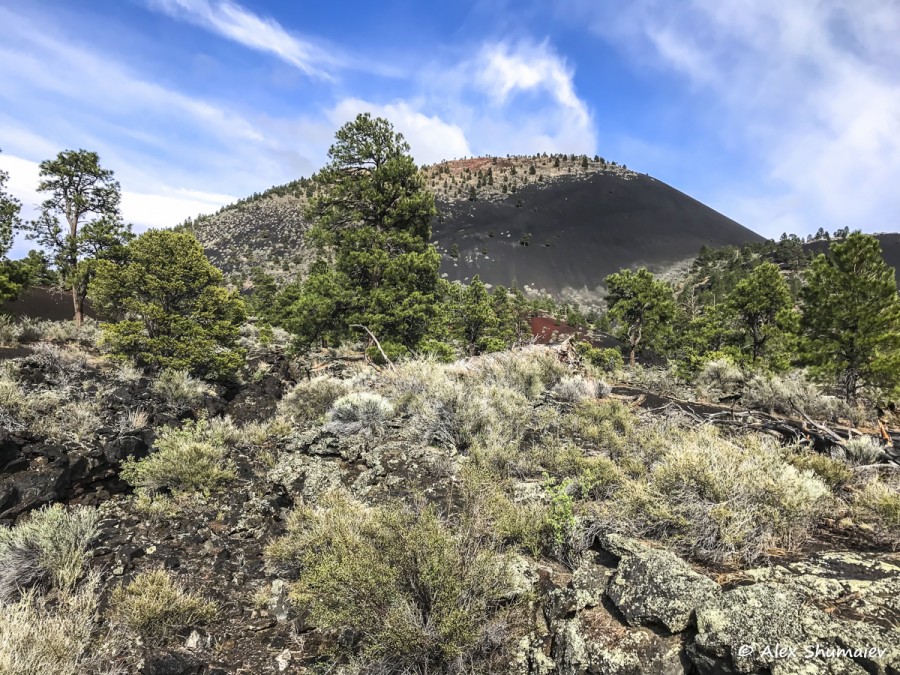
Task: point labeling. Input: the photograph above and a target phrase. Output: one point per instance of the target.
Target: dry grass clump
(73, 421)
(47, 549)
(410, 593)
(718, 500)
(308, 402)
(87, 334)
(790, 392)
(602, 425)
(462, 416)
(487, 401)
(663, 381)
(536, 520)
(719, 377)
(834, 472)
(156, 607)
(179, 390)
(224, 432)
(530, 371)
(861, 450)
(133, 419)
(877, 501)
(128, 372)
(191, 459)
(46, 412)
(59, 637)
(362, 412)
(413, 379)
(61, 364)
(9, 331)
(15, 332)
(575, 388)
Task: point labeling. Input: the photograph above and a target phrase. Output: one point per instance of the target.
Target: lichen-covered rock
(654, 587)
(595, 642)
(307, 476)
(853, 584)
(774, 628)
(589, 583)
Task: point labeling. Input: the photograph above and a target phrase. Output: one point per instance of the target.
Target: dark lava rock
(135, 444)
(257, 400)
(32, 489)
(10, 447)
(172, 663)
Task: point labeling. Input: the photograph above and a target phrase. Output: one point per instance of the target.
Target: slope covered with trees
(552, 223)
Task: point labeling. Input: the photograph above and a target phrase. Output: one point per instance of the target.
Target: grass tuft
(45, 550)
(155, 607)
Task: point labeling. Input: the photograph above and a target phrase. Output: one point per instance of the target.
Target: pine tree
(262, 301)
(87, 197)
(168, 307)
(10, 279)
(477, 320)
(643, 307)
(760, 302)
(850, 319)
(373, 224)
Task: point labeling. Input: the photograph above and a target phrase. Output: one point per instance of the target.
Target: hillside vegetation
(547, 224)
(372, 469)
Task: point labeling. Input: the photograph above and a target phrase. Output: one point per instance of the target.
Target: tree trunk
(635, 334)
(78, 303)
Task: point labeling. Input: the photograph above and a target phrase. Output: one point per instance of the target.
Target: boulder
(30, 489)
(10, 447)
(654, 587)
(172, 662)
(772, 627)
(134, 444)
(858, 584)
(257, 400)
(595, 642)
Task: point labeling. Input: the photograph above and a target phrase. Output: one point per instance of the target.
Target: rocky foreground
(600, 587)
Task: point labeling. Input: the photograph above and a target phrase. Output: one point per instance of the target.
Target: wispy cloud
(176, 154)
(808, 91)
(234, 22)
(431, 138)
(512, 97)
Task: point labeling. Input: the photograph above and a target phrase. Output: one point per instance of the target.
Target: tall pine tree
(9, 220)
(762, 302)
(372, 220)
(851, 317)
(87, 196)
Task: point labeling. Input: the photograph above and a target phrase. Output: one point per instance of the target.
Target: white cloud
(502, 98)
(808, 90)
(236, 23)
(503, 69)
(56, 95)
(431, 139)
(513, 98)
(169, 208)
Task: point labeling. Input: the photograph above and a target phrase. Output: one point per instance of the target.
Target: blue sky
(782, 115)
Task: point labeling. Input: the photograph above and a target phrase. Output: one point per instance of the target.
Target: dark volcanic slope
(40, 302)
(577, 231)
